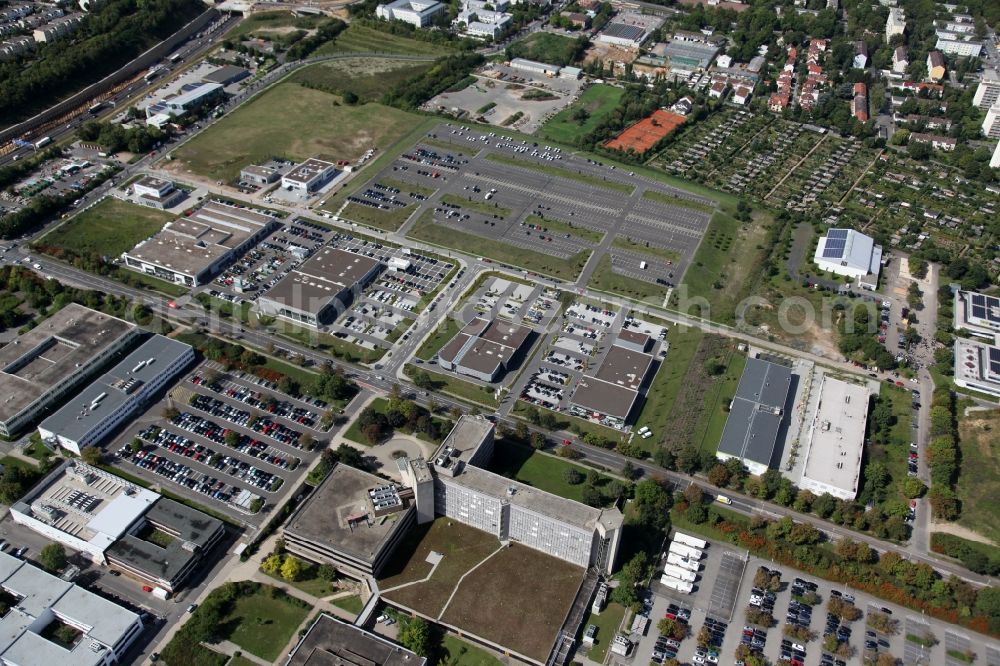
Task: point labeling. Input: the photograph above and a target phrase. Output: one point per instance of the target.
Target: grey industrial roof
(76, 334)
(624, 31)
(323, 517)
(88, 409)
(226, 74)
(191, 244)
(185, 524)
(333, 642)
(757, 412)
(484, 345)
(604, 397)
(311, 286)
(624, 367)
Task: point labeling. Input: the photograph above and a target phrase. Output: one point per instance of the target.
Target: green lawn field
(293, 122)
(598, 101)
(545, 47)
(368, 78)
(978, 484)
(545, 472)
(263, 625)
(109, 228)
(359, 39)
(605, 279)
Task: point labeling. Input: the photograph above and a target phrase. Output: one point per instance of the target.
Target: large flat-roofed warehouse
(623, 34)
(755, 428)
(116, 395)
(484, 349)
(107, 630)
(322, 286)
(333, 642)
(106, 517)
(40, 367)
(977, 366)
(190, 250)
(836, 440)
(463, 490)
(609, 395)
(978, 314)
(353, 520)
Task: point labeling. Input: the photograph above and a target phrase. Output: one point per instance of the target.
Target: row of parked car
(179, 473)
(264, 425)
(283, 408)
(200, 453)
(233, 439)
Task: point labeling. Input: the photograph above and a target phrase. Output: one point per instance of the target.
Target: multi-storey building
(465, 491)
(43, 365)
(988, 90)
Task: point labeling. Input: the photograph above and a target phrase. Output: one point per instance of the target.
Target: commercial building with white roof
(104, 517)
(309, 176)
(106, 630)
(979, 314)
(418, 13)
(977, 366)
(851, 253)
(836, 440)
(116, 395)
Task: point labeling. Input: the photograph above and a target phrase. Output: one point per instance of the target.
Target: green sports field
(598, 101)
(296, 123)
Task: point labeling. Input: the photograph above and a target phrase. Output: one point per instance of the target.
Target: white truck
(688, 540)
(685, 551)
(683, 562)
(677, 584)
(677, 572)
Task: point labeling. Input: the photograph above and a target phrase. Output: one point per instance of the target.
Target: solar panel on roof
(833, 252)
(995, 354)
(978, 299)
(838, 233)
(978, 312)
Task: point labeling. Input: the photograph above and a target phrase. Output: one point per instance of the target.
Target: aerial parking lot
(532, 205)
(234, 443)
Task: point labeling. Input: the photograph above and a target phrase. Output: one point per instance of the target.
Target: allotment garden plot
(533, 206)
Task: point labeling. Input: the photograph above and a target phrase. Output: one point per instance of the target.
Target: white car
(381, 618)
(698, 659)
(799, 647)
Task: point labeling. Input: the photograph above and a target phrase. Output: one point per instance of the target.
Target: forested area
(445, 73)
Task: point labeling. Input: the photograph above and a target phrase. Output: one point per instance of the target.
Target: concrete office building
(995, 160)
(465, 491)
(316, 291)
(330, 641)
(309, 176)
(42, 366)
(157, 193)
(851, 253)
(354, 520)
(117, 395)
(988, 90)
(485, 349)
(836, 440)
(191, 250)
(977, 366)
(758, 416)
(194, 535)
(991, 123)
(418, 13)
(609, 395)
(103, 517)
(43, 600)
